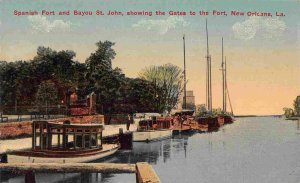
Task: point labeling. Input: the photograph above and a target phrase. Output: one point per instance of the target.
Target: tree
(168, 80)
(101, 78)
(8, 77)
(14, 84)
(297, 106)
(189, 106)
(201, 110)
(102, 57)
(288, 112)
(46, 94)
(141, 95)
(59, 67)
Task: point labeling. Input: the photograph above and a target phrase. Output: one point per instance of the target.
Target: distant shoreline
(246, 116)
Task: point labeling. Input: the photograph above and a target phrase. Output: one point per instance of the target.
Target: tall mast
(184, 74)
(225, 86)
(207, 75)
(208, 72)
(223, 77)
(227, 91)
(210, 87)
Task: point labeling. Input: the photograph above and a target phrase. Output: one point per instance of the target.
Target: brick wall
(83, 119)
(15, 130)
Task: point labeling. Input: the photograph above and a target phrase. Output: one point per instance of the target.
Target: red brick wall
(15, 129)
(84, 119)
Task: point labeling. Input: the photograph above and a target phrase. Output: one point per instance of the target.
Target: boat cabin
(155, 123)
(48, 136)
(184, 112)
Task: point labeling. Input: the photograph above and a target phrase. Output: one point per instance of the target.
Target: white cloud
(246, 30)
(254, 26)
(160, 26)
(42, 24)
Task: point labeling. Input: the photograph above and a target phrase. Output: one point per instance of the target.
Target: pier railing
(143, 171)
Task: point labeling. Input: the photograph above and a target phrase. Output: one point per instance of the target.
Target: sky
(262, 52)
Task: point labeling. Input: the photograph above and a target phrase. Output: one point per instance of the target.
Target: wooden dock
(143, 171)
(146, 174)
(69, 167)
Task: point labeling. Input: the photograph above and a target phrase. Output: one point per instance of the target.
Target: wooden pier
(144, 172)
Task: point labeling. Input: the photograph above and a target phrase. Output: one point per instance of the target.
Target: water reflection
(10, 177)
(152, 153)
(181, 142)
(259, 149)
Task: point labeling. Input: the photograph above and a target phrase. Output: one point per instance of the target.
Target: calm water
(254, 150)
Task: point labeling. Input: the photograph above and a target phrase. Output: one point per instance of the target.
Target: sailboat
(182, 119)
(208, 122)
(225, 117)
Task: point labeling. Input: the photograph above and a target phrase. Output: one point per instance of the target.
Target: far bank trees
(289, 112)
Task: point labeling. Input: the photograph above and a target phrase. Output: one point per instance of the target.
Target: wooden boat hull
(185, 131)
(202, 128)
(182, 129)
(221, 120)
(211, 123)
(151, 135)
(228, 119)
(225, 119)
(108, 149)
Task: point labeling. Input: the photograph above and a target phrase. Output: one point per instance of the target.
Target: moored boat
(224, 119)
(183, 121)
(221, 120)
(153, 129)
(206, 122)
(64, 143)
(210, 122)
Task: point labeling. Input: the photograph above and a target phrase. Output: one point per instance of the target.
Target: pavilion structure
(65, 137)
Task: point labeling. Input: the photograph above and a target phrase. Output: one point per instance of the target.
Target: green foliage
(288, 112)
(168, 79)
(20, 80)
(190, 106)
(296, 105)
(102, 57)
(50, 75)
(141, 95)
(101, 78)
(217, 111)
(46, 94)
(201, 110)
